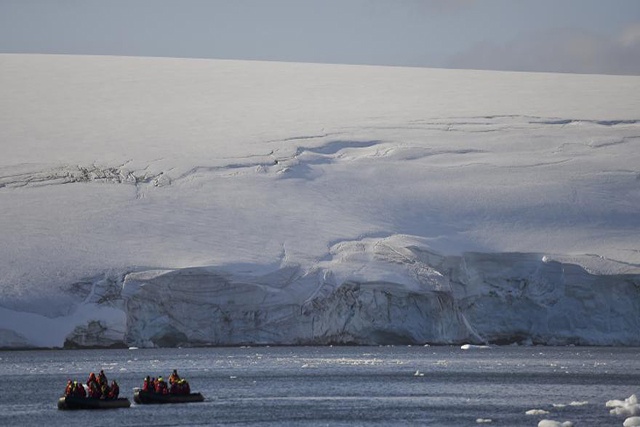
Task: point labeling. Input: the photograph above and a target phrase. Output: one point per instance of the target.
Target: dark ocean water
(434, 386)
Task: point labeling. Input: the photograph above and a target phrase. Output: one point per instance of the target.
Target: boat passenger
(104, 391)
(114, 390)
(147, 384)
(184, 387)
(94, 388)
(68, 391)
(102, 378)
(161, 386)
(174, 377)
(78, 390)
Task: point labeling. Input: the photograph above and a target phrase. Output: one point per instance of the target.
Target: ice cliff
(422, 297)
(374, 291)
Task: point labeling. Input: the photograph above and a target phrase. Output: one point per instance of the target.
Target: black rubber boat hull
(144, 397)
(87, 403)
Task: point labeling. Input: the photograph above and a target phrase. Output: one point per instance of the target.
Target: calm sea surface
(434, 386)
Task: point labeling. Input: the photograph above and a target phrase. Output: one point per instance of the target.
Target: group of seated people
(75, 389)
(158, 385)
(96, 388)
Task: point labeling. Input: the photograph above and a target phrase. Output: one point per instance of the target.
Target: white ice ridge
(280, 202)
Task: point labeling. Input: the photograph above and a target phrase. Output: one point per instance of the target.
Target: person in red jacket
(94, 388)
(68, 391)
(114, 390)
(161, 386)
(147, 384)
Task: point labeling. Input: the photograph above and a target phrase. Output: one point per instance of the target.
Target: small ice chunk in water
(628, 407)
(574, 403)
(471, 346)
(483, 420)
(615, 403)
(536, 412)
(552, 423)
(632, 422)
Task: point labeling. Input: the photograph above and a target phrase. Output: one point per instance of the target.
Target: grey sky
(589, 36)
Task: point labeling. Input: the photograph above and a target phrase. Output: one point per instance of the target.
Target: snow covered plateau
(176, 202)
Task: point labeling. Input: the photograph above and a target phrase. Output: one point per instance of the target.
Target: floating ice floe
(536, 412)
(484, 420)
(628, 407)
(473, 347)
(632, 422)
(552, 423)
(574, 403)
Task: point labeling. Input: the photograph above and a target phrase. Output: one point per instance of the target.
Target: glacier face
(351, 313)
(480, 298)
(373, 291)
(527, 298)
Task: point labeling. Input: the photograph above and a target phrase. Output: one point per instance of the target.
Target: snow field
(118, 166)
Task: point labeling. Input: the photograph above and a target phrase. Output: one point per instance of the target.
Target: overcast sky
(585, 36)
